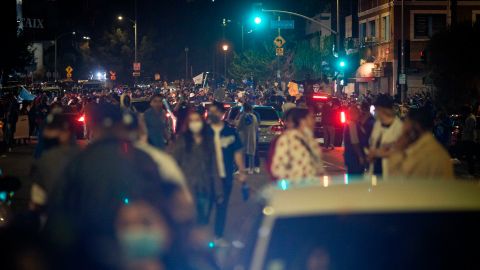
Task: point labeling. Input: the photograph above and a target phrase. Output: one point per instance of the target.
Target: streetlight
(225, 50)
(186, 63)
(55, 75)
(121, 18)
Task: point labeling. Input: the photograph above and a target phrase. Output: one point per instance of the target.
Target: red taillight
(168, 115)
(227, 106)
(343, 118)
(81, 118)
(277, 129)
(205, 115)
(320, 97)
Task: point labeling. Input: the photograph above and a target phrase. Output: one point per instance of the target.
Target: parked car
(270, 123)
(365, 224)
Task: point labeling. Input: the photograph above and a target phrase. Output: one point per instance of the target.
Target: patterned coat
(297, 156)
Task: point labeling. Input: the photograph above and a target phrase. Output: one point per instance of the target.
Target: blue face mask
(142, 244)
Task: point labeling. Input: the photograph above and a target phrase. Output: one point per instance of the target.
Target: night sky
(175, 24)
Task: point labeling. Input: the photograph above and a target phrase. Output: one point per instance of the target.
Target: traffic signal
(342, 64)
(257, 18)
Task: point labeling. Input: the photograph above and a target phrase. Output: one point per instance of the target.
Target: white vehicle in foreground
(374, 225)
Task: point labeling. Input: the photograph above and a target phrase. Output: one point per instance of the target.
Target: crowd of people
(141, 194)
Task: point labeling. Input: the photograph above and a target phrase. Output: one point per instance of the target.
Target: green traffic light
(257, 20)
(342, 63)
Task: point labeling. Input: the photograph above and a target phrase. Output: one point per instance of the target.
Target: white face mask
(195, 126)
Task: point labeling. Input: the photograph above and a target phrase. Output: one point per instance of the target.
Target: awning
(367, 79)
(364, 73)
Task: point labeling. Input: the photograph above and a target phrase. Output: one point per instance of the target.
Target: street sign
(279, 41)
(279, 51)
(136, 74)
(136, 66)
(113, 75)
(402, 79)
(282, 24)
(69, 70)
(157, 76)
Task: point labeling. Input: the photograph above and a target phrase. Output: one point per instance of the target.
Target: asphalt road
(241, 215)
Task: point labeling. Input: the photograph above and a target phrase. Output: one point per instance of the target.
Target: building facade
(380, 33)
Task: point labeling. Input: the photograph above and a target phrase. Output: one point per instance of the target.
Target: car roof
(329, 195)
(256, 107)
(263, 107)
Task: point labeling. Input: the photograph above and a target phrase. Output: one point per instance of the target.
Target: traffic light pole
(335, 32)
(301, 16)
(279, 75)
(402, 67)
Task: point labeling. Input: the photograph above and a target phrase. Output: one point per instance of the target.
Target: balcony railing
(368, 41)
(351, 43)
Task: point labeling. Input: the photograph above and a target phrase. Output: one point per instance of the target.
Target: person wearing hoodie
(247, 126)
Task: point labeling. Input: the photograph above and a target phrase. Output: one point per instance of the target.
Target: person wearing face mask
(417, 153)
(143, 247)
(228, 152)
(58, 149)
(386, 131)
(195, 154)
(111, 171)
(297, 156)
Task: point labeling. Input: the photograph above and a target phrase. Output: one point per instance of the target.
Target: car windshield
(436, 240)
(266, 114)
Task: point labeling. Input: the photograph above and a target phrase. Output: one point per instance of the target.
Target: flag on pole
(198, 79)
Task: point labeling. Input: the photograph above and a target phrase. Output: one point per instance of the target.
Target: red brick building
(379, 25)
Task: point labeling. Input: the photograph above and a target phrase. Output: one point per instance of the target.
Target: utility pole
(278, 57)
(338, 28)
(225, 48)
(243, 41)
(402, 67)
(55, 62)
(186, 63)
(55, 75)
(135, 25)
